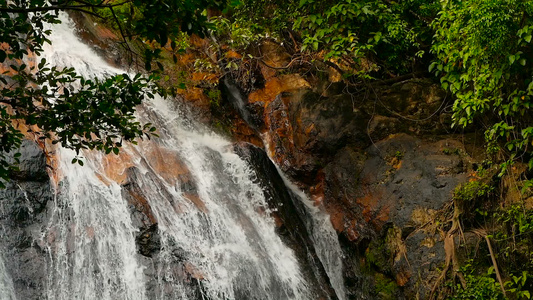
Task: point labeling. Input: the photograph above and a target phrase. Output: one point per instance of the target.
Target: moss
(222, 127)
(377, 257)
(214, 97)
(398, 155)
(385, 287)
(377, 265)
(450, 151)
(472, 190)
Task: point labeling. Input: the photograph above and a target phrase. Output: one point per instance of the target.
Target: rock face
(379, 158)
(22, 213)
(380, 161)
(287, 212)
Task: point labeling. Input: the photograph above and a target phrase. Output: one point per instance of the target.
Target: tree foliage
(480, 50)
(392, 35)
(483, 56)
(81, 113)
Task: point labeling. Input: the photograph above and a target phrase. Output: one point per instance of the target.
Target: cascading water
(324, 239)
(205, 222)
(7, 292)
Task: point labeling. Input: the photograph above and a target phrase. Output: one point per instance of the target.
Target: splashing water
(213, 237)
(7, 292)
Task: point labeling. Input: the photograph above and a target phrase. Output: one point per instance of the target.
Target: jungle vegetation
(480, 52)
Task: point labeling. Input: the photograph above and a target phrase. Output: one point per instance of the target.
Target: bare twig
(495, 264)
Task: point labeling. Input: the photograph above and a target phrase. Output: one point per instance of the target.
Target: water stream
(205, 222)
(7, 292)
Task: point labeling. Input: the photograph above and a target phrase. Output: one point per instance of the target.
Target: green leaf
(527, 38)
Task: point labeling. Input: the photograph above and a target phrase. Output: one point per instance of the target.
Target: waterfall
(7, 292)
(177, 217)
(324, 239)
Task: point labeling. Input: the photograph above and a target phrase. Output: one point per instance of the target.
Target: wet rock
(402, 184)
(32, 166)
(404, 173)
(307, 129)
(148, 241)
(22, 216)
(142, 215)
(289, 214)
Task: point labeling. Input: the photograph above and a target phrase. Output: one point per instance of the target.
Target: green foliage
(482, 50)
(478, 286)
(392, 36)
(516, 219)
(451, 151)
(77, 112)
(386, 288)
(398, 155)
(265, 17)
(214, 96)
(238, 34)
(386, 31)
(471, 191)
(518, 285)
(144, 19)
(515, 237)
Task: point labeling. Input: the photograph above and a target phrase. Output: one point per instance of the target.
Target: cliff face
(377, 158)
(24, 205)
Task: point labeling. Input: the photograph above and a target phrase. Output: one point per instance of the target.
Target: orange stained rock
(141, 204)
(317, 191)
(309, 128)
(195, 95)
(342, 223)
(245, 133)
(374, 212)
(46, 145)
(351, 231)
(114, 167)
(277, 85)
(198, 42)
(233, 54)
(166, 163)
(186, 58)
(382, 217)
(105, 33)
(402, 278)
(398, 164)
(193, 271)
(205, 76)
(273, 55)
(195, 199)
(336, 218)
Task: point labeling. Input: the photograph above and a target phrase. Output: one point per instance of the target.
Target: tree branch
(48, 8)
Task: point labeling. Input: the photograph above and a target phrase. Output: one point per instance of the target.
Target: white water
(7, 292)
(324, 238)
(90, 236)
(229, 250)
